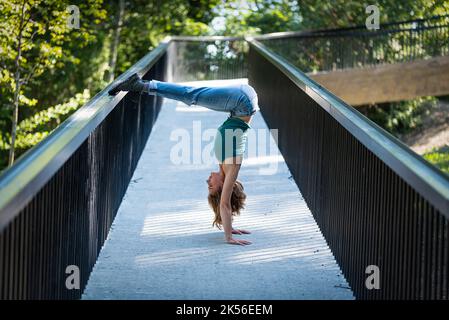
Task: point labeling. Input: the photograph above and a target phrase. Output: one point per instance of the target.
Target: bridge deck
(162, 245)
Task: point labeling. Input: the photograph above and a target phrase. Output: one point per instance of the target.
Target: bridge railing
(332, 49)
(58, 201)
(209, 58)
(376, 202)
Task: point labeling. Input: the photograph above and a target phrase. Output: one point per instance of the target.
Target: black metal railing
(209, 58)
(325, 50)
(58, 201)
(375, 201)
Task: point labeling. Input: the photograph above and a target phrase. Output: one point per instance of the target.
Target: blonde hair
(238, 198)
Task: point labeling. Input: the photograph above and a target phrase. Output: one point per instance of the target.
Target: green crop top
(230, 140)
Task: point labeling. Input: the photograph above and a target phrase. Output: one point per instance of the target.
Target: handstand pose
(226, 196)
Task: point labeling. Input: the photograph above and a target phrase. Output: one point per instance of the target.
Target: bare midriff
(247, 119)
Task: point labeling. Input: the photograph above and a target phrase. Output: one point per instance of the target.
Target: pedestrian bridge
(103, 195)
(163, 246)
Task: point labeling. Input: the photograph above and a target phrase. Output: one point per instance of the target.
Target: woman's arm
(231, 173)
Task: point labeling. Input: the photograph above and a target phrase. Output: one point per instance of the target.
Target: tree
(258, 17)
(33, 37)
(56, 63)
(146, 23)
(328, 14)
(120, 11)
(29, 53)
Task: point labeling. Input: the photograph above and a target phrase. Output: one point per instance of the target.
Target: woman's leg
(214, 98)
(226, 99)
(175, 91)
(169, 90)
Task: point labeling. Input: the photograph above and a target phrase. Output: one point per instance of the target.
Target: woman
(226, 195)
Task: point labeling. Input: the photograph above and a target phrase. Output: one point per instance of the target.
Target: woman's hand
(239, 242)
(240, 231)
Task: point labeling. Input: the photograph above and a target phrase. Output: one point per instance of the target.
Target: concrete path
(162, 244)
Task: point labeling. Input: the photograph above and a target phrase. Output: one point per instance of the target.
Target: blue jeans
(238, 100)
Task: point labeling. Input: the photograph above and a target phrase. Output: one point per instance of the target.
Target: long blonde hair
(238, 198)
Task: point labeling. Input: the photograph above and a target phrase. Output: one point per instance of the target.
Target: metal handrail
(19, 183)
(359, 29)
(345, 33)
(424, 177)
(205, 38)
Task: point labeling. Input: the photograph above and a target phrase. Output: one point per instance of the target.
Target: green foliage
(400, 117)
(44, 33)
(37, 43)
(439, 157)
(148, 22)
(259, 17)
(58, 62)
(254, 17)
(32, 130)
(82, 56)
(329, 14)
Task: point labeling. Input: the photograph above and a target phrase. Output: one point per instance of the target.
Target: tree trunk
(116, 40)
(15, 118)
(15, 115)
